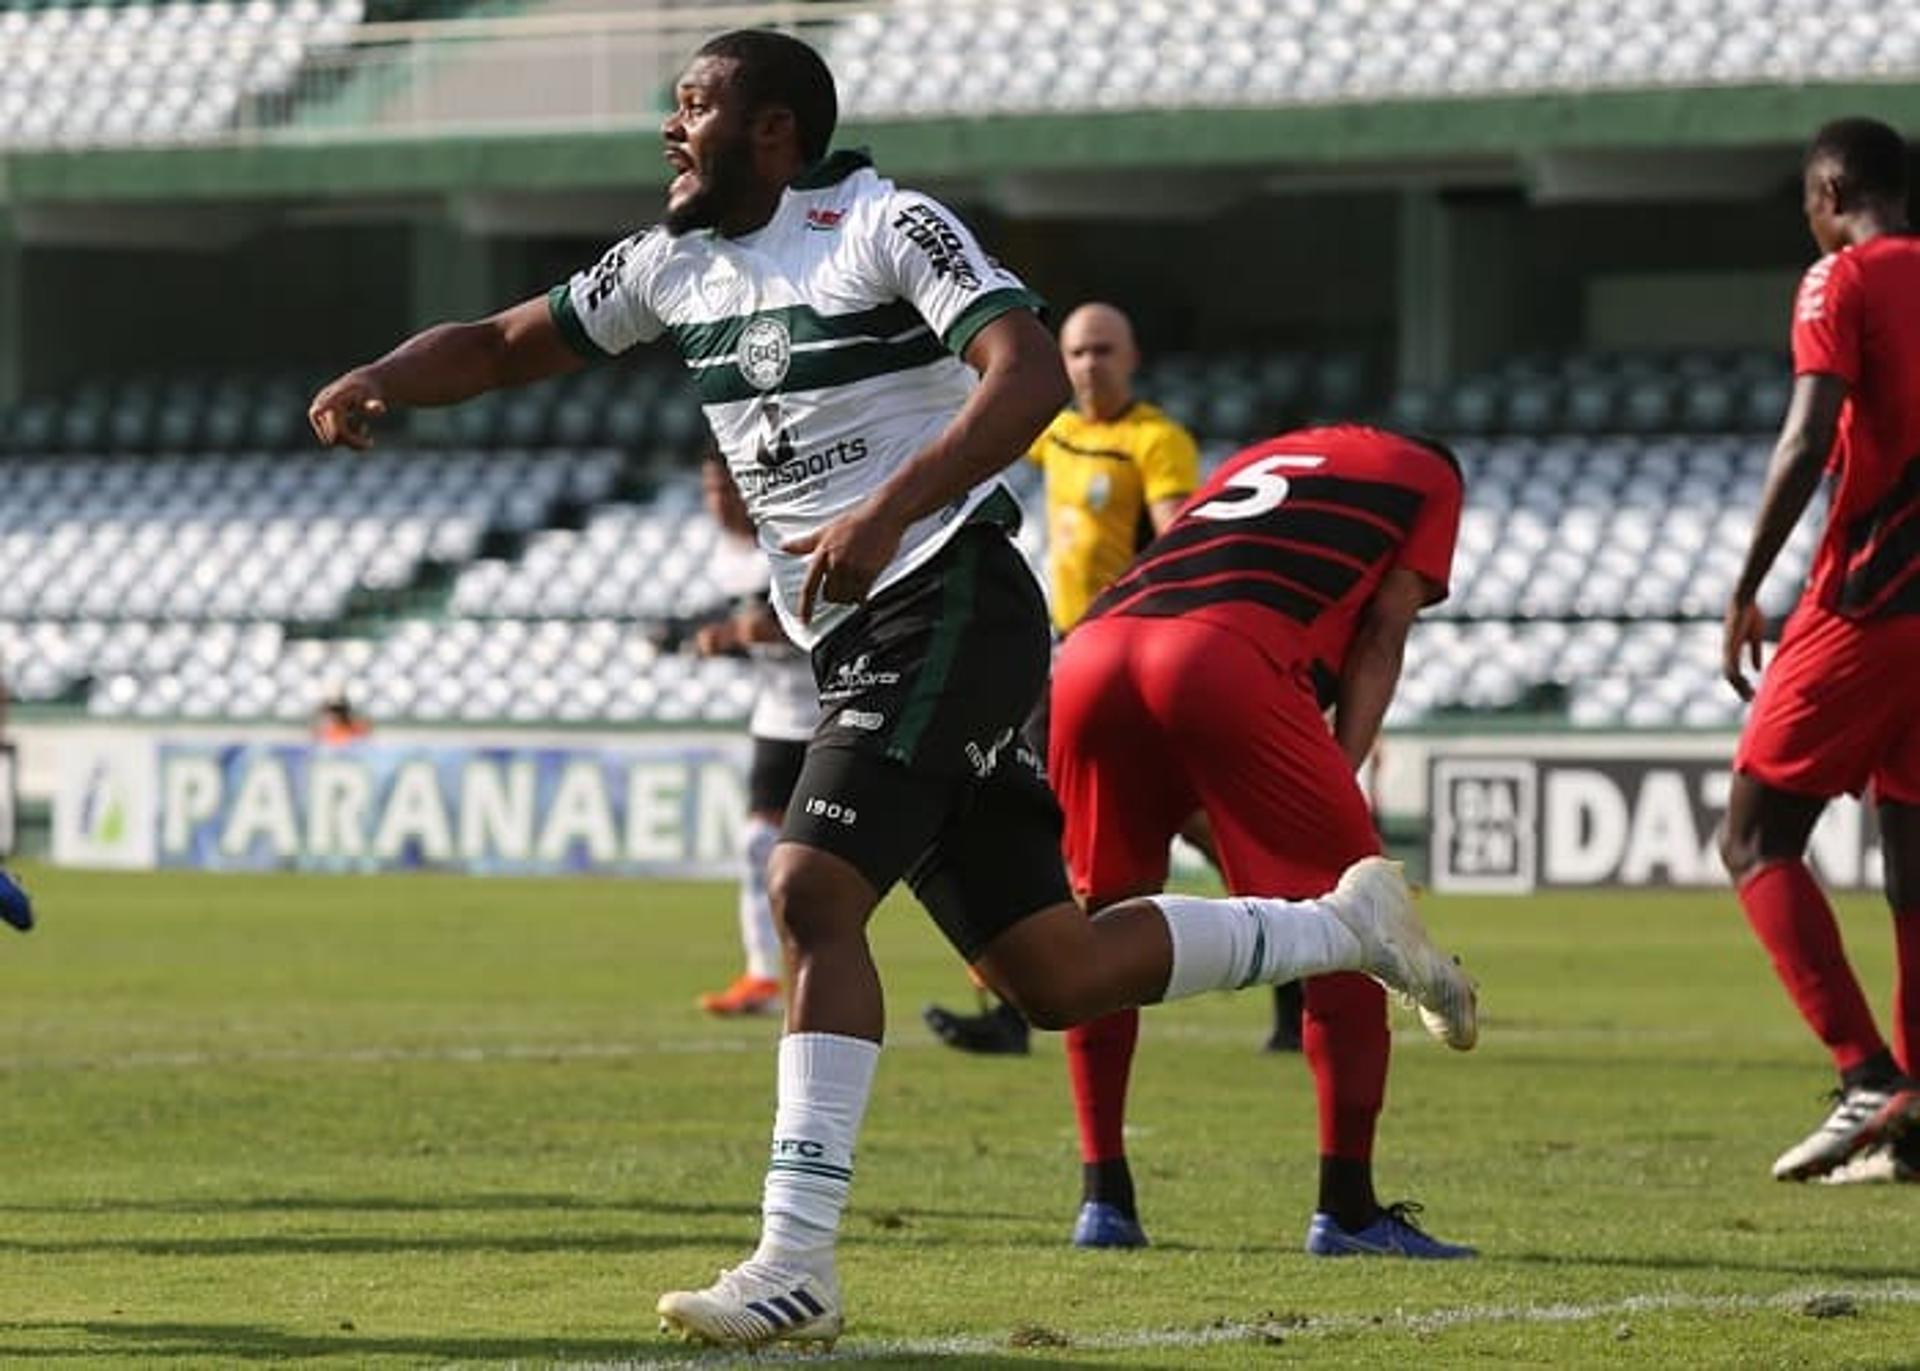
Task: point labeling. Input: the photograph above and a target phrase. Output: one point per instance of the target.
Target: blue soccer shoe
(15, 907)
(1392, 1234)
(1102, 1225)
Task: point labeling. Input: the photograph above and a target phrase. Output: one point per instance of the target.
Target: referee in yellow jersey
(1117, 471)
(1117, 468)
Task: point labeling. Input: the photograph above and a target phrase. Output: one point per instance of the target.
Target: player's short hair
(1871, 156)
(778, 69)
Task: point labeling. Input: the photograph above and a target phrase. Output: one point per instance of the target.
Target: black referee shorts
(918, 769)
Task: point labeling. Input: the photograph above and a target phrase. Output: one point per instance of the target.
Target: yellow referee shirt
(1101, 477)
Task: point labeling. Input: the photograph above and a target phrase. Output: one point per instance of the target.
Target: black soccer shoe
(1000, 1032)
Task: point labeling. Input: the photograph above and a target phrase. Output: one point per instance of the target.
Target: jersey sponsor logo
(775, 449)
(605, 276)
(787, 471)
(765, 352)
(860, 675)
(940, 242)
(776, 437)
(985, 759)
(822, 220)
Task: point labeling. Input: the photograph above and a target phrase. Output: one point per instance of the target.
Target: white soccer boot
(1375, 904)
(1861, 1117)
(752, 1305)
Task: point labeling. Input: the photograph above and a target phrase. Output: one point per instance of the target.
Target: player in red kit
(1836, 711)
(1200, 680)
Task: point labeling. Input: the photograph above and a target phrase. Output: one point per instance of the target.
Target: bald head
(1097, 345)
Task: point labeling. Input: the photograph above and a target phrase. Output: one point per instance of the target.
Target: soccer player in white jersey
(869, 371)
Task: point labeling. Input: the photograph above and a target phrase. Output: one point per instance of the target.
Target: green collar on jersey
(832, 169)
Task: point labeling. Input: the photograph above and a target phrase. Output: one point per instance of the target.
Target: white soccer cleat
(752, 1305)
(1375, 904)
(1861, 1117)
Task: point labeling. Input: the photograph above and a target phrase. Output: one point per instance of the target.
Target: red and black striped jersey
(1858, 317)
(1286, 541)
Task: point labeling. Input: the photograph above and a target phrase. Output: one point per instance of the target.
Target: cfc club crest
(764, 353)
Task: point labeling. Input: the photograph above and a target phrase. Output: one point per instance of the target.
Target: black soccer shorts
(918, 769)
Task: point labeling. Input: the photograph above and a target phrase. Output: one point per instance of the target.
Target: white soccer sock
(1231, 944)
(757, 933)
(824, 1083)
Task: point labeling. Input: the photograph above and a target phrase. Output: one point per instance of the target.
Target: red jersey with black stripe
(1286, 542)
(1857, 317)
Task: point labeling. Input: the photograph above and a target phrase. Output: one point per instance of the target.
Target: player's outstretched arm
(1372, 670)
(442, 366)
(1799, 456)
(1022, 386)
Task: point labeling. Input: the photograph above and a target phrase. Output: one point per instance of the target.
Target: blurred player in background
(337, 723)
(15, 908)
(1200, 679)
(869, 370)
(786, 709)
(1116, 470)
(1836, 711)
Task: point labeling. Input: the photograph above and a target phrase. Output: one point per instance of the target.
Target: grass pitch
(437, 1122)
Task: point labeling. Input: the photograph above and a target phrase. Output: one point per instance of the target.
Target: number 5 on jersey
(1264, 487)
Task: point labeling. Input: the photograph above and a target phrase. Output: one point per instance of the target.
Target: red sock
(1099, 1058)
(1796, 925)
(1346, 1042)
(1906, 1001)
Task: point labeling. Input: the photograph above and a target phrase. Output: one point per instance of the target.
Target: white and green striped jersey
(825, 348)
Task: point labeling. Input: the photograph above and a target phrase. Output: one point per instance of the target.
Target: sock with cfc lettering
(825, 1080)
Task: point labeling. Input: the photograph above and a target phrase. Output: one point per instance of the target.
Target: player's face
(707, 146)
(1100, 360)
(1820, 199)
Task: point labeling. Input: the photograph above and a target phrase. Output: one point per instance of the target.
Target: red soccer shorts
(1156, 718)
(1838, 709)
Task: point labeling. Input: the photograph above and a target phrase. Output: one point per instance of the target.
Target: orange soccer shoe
(747, 995)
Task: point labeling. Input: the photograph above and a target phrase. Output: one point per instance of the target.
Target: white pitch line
(467, 1053)
(906, 1040)
(1213, 1335)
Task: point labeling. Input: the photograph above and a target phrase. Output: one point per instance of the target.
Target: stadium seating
(152, 70)
(92, 72)
(634, 408)
(920, 57)
(518, 576)
(1685, 391)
